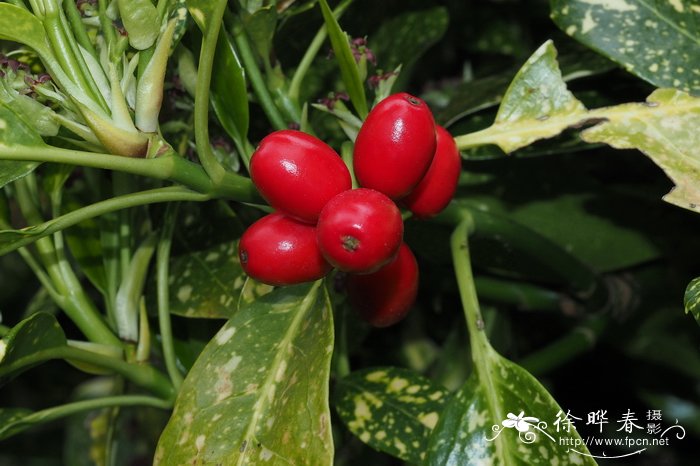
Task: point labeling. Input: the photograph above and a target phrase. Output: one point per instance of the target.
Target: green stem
(142, 375)
(68, 409)
(311, 52)
(71, 295)
(4, 330)
(257, 80)
(33, 233)
(78, 28)
(106, 23)
(525, 296)
(168, 167)
(201, 97)
(162, 276)
(576, 342)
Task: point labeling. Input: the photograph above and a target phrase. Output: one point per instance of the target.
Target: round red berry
(439, 184)
(395, 145)
(360, 230)
(279, 250)
(384, 297)
(298, 173)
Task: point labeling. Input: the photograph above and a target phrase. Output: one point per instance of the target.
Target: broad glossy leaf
(258, 393)
(19, 25)
(537, 105)
(14, 131)
(229, 94)
(35, 333)
(391, 409)
(692, 299)
(260, 26)
(472, 430)
(348, 67)
(665, 129)
(657, 41)
(404, 39)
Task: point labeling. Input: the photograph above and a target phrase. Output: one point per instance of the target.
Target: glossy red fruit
(298, 173)
(439, 184)
(279, 250)
(360, 230)
(395, 145)
(384, 297)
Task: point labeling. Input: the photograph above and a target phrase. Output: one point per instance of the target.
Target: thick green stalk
(523, 295)
(78, 28)
(35, 232)
(310, 54)
(142, 375)
(167, 167)
(72, 297)
(559, 352)
(201, 97)
(162, 283)
(257, 80)
(69, 409)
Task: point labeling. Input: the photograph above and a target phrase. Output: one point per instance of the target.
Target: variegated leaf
(537, 105)
(657, 41)
(665, 129)
(692, 299)
(258, 393)
(391, 409)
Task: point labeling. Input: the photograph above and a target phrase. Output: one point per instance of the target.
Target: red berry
(298, 173)
(360, 230)
(439, 184)
(384, 297)
(395, 145)
(279, 250)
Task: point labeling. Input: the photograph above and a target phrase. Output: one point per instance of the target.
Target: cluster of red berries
(320, 222)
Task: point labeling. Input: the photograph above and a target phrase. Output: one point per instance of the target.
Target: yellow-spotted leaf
(692, 299)
(658, 41)
(665, 128)
(504, 416)
(258, 393)
(38, 332)
(537, 105)
(391, 409)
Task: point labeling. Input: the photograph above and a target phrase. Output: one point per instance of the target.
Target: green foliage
(258, 393)
(14, 132)
(391, 409)
(692, 299)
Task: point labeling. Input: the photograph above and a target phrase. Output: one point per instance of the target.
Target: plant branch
(162, 276)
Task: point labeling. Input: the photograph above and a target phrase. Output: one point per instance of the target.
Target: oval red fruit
(360, 230)
(439, 184)
(395, 145)
(298, 173)
(384, 297)
(279, 250)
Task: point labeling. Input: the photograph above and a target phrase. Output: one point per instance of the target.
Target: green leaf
(260, 27)
(14, 131)
(665, 129)
(229, 93)
(140, 18)
(404, 39)
(692, 299)
(391, 409)
(657, 41)
(35, 333)
(470, 430)
(346, 61)
(258, 393)
(19, 25)
(84, 242)
(537, 105)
